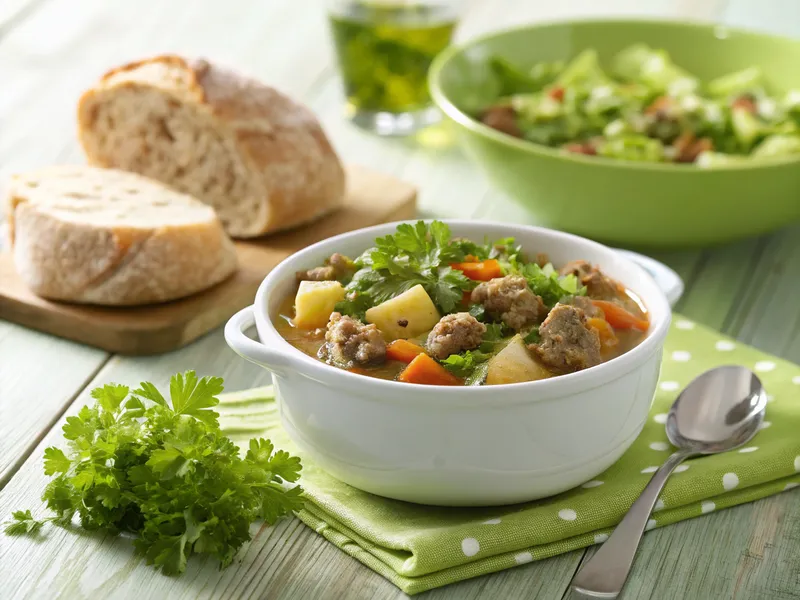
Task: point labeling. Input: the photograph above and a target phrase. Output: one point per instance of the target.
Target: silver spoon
(720, 410)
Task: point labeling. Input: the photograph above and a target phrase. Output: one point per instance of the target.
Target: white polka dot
(492, 521)
(649, 469)
(670, 386)
(567, 514)
(599, 538)
(651, 523)
(730, 481)
(659, 505)
(592, 484)
(523, 557)
(725, 346)
(797, 463)
(765, 424)
(660, 418)
(764, 366)
(707, 506)
(684, 324)
(470, 546)
(748, 449)
(796, 380)
(790, 486)
(681, 356)
(681, 468)
(660, 446)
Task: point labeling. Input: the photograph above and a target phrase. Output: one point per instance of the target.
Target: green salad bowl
(655, 205)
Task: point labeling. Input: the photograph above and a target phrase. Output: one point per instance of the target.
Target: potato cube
(315, 302)
(405, 316)
(514, 364)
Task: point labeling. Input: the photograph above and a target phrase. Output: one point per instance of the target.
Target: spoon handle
(603, 575)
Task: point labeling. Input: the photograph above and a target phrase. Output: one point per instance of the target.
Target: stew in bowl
(351, 411)
(422, 306)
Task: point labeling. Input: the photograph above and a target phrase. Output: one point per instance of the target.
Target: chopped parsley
(462, 365)
(532, 336)
(547, 283)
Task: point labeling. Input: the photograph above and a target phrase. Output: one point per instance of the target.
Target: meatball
(585, 304)
(566, 344)
(349, 342)
(336, 267)
(510, 300)
(598, 285)
(502, 118)
(454, 334)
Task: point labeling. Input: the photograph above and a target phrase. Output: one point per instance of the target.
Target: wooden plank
(749, 551)
(372, 198)
(39, 377)
(13, 12)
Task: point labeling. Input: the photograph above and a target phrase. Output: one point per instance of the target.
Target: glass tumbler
(384, 49)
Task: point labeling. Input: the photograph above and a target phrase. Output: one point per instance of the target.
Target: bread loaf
(259, 158)
(109, 237)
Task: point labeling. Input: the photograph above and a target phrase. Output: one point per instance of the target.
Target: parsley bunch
(164, 471)
(418, 254)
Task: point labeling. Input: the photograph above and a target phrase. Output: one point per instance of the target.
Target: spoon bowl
(718, 411)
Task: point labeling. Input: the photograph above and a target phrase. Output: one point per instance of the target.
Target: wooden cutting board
(372, 198)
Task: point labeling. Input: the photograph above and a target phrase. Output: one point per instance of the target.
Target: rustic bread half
(259, 158)
(102, 236)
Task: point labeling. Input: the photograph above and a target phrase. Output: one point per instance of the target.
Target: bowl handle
(667, 279)
(245, 347)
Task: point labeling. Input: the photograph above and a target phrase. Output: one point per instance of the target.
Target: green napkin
(420, 547)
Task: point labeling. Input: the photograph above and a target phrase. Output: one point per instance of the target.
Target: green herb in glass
(384, 51)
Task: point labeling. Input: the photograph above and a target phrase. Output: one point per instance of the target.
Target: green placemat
(419, 548)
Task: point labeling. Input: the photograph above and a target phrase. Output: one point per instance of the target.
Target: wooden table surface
(51, 49)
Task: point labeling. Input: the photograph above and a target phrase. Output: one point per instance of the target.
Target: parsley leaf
(192, 397)
(22, 522)
(477, 311)
(55, 461)
(110, 396)
(163, 471)
(532, 337)
(504, 250)
(356, 306)
(462, 365)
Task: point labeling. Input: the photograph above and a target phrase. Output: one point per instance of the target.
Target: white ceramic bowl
(475, 446)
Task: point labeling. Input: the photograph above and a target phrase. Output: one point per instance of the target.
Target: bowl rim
(450, 109)
(524, 392)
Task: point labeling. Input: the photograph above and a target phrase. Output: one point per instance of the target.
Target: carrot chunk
(403, 350)
(608, 339)
(424, 370)
(619, 318)
(480, 271)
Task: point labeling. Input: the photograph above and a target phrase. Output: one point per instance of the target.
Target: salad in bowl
(644, 107)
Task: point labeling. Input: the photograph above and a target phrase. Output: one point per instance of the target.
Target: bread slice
(259, 158)
(102, 236)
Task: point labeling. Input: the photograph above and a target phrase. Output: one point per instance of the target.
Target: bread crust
(289, 161)
(71, 258)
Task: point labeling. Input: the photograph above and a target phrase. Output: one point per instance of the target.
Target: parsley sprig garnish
(162, 470)
(418, 254)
